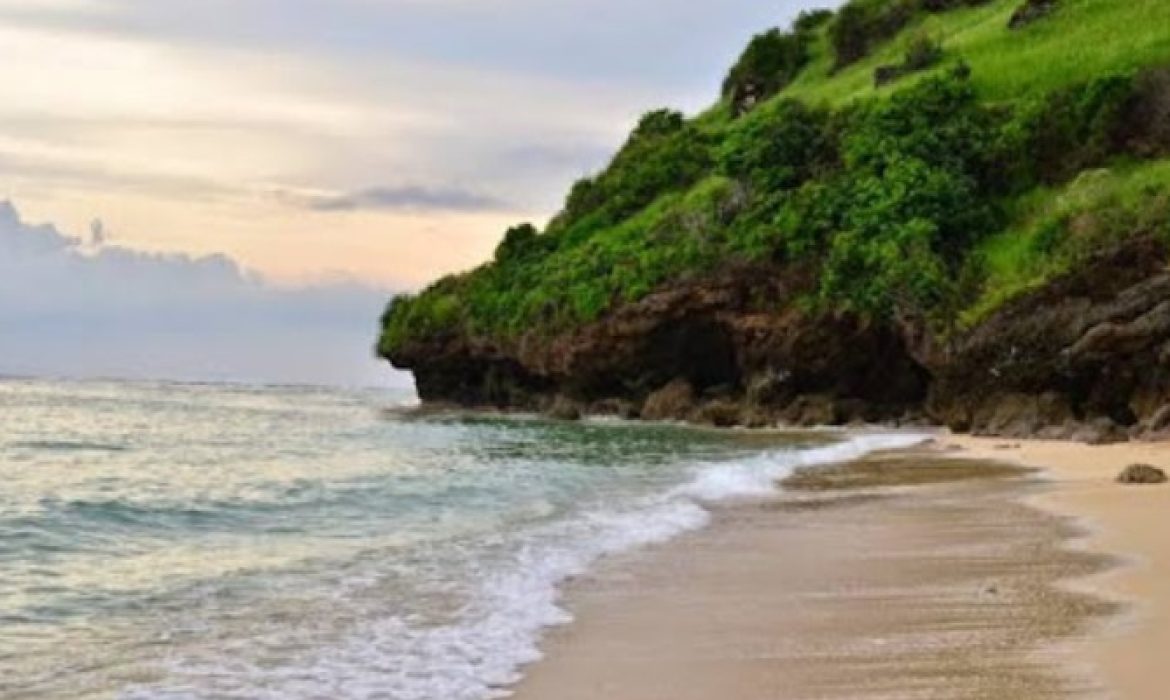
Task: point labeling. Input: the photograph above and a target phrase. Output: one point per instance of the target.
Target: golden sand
(1132, 522)
(904, 576)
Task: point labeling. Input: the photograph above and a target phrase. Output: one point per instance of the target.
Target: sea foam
(499, 629)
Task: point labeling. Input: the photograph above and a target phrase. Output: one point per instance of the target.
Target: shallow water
(163, 540)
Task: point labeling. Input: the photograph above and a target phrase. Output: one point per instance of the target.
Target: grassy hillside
(930, 160)
(1084, 38)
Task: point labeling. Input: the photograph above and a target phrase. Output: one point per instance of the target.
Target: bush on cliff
(921, 53)
(771, 61)
(664, 153)
(915, 194)
(861, 24)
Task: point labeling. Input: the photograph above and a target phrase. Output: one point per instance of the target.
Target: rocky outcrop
(1087, 357)
(731, 348)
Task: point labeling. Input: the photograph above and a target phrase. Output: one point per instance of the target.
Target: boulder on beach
(675, 401)
(1141, 474)
(564, 409)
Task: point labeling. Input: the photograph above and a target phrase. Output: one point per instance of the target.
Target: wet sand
(907, 575)
(1131, 522)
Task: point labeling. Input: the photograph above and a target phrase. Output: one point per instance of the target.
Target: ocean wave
(757, 476)
(499, 631)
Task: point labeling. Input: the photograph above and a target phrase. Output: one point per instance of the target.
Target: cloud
(75, 307)
(636, 41)
(406, 198)
(309, 135)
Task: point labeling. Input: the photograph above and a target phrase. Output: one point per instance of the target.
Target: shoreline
(889, 581)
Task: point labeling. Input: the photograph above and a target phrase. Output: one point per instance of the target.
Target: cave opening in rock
(698, 350)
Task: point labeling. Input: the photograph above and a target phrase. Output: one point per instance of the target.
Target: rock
(1155, 426)
(755, 417)
(1020, 415)
(769, 388)
(812, 411)
(1159, 421)
(1075, 359)
(884, 75)
(721, 413)
(675, 401)
(564, 408)
(1141, 474)
(1031, 11)
(621, 408)
(1099, 431)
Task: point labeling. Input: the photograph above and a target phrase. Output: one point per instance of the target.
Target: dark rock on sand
(721, 413)
(675, 401)
(1141, 474)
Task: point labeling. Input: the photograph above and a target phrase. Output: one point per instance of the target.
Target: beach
(1128, 522)
(971, 568)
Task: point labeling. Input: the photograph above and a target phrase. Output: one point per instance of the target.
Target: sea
(178, 541)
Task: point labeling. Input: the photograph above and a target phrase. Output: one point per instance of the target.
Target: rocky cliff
(1085, 357)
(903, 211)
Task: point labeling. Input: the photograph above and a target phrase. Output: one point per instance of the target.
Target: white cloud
(390, 139)
(73, 307)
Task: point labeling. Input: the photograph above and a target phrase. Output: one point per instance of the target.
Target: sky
(313, 154)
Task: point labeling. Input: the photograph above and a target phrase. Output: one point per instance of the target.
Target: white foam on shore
(757, 477)
(499, 631)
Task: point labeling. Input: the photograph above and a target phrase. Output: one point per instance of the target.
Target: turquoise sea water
(162, 540)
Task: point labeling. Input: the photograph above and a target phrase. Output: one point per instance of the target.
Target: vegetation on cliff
(988, 160)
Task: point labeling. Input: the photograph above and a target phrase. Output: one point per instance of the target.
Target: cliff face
(712, 349)
(1085, 357)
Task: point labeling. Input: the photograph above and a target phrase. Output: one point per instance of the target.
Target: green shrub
(769, 63)
(518, 242)
(916, 184)
(811, 20)
(664, 153)
(862, 24)
(777, 148)
(921, 53)
(1072, 128)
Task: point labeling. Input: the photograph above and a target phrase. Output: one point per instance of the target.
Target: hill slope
(849, 234)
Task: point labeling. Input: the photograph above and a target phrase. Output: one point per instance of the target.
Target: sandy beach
(906, 575)
(1129, 522)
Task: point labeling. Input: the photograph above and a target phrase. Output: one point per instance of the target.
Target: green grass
(1042, 241)
(1081, 39)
